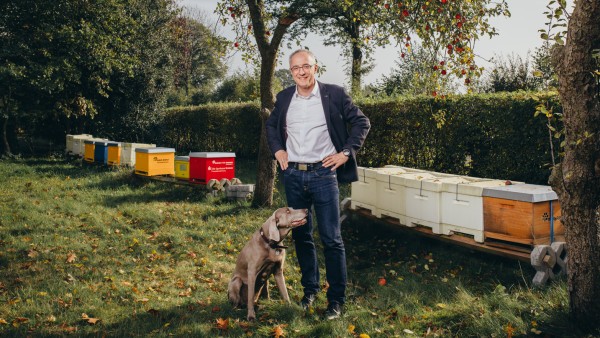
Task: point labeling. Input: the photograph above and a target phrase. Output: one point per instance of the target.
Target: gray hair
(310, 55)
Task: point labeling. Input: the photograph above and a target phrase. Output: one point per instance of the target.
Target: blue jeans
(318, 188)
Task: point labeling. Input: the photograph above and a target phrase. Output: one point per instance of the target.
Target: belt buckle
(303, 166)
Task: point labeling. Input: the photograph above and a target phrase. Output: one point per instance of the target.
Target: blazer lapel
(325, 102)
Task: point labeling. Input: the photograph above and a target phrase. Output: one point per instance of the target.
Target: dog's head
(283, 221)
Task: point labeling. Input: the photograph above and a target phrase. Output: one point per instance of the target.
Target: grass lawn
(92, 251)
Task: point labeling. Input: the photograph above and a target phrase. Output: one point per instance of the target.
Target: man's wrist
(346, 152)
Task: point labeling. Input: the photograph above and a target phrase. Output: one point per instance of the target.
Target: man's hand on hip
(282, 159)
(335, 161)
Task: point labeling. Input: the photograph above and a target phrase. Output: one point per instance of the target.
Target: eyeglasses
(305, 68)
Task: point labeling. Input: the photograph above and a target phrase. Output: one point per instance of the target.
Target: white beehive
(462, 205)
(422, 192)
(391, 198)
(363, 191)
(75, 144)
(128, 152)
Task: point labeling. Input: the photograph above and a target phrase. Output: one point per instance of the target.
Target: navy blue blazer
(348, 126)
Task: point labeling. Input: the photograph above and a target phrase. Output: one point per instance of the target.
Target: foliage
(199, 55)
(99, 66)
(233, 127)
(510, 74)
(87, 251)
(239, 87)
(543, 68)
(412, 76)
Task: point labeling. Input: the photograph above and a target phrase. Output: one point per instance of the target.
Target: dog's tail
(237, 292)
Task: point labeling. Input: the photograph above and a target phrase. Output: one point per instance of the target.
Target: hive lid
(137, 145)
(522, 192)
(211, 154)
(154, 150)
(182, 158)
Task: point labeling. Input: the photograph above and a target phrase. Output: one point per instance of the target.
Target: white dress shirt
(308, 138)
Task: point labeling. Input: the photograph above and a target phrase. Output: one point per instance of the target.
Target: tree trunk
(577, 178)
(357, 60)
(5, 143)
(265, 178)
(356, 69)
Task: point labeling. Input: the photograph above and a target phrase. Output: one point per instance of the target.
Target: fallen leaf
(222, 324)
(441, 305)
(3, 321)
(408, 331)
(216, 309)
(51, 319)
(363, 335)
(89, 319)
(32, 253)
(351, 328)
(71, 257)
(67, 328)
(278, 331)
(381, 281)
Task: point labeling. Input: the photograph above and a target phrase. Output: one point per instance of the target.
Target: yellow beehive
(182, 167)
(89, 148)
(114, 153)
(155, 161)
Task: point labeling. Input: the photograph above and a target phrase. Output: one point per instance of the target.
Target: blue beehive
(100, 152)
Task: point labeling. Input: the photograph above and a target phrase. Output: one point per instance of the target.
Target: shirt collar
(315, 92)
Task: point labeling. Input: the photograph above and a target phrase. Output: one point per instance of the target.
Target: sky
(517, 34)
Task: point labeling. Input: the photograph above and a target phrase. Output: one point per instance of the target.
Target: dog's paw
(251, 318)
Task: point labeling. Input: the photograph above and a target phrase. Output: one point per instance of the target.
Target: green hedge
(226, 127)
(484, 135)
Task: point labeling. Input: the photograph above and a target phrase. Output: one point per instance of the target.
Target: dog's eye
(288, 211)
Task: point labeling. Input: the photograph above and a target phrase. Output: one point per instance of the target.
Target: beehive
(155, 161)
(88, 154)
(522, 213)
(100, 152)
(422, 193)
(390, 193)
(128, 152)
(182, 167)
(75, 144)
(462, 205)
(206, 166)
(114, 153)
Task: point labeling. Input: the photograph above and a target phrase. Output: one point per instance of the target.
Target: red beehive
(206, 166)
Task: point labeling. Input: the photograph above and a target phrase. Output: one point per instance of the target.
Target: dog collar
(272, 244)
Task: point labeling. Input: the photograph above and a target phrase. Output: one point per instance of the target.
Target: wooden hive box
(522, 213)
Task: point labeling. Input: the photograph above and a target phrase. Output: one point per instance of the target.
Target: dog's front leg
(280, 281)
(251, 285)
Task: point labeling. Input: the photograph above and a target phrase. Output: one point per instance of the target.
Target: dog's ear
(273, 231)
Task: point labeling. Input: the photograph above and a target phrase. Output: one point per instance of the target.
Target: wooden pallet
(506, 250)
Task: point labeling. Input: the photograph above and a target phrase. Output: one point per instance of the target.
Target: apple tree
(576, 179)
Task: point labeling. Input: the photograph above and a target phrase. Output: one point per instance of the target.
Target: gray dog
(262, 257)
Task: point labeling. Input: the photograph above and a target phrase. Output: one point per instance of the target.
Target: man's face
(303, 70)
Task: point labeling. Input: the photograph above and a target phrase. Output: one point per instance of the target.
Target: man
(314, 132)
